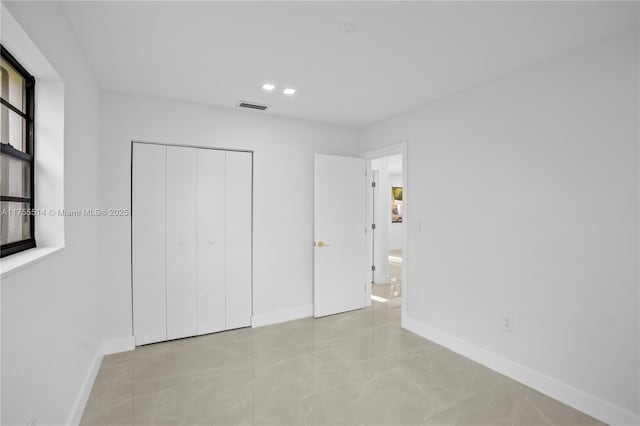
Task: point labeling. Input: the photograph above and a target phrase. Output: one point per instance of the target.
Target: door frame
(400, 148)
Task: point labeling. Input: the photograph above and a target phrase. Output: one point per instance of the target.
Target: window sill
(19, 261)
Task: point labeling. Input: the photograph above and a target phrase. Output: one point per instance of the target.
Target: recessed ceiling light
(346, 27)
(268, 86)
(289, 91)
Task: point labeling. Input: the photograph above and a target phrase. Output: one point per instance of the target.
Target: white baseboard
(282, 316)
(111, 346)
(576, 398)
(120, 344)
(85, 390)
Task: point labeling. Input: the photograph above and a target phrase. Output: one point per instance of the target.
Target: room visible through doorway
(388, 232)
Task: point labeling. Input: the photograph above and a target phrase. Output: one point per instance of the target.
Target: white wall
(283, 194)
(49, 323)
(527, 191)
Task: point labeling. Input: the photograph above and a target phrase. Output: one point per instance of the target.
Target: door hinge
(373, 184)
(373, 267)
(373, 226)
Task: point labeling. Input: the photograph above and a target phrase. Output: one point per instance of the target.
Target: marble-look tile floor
(391, 291)
(355, 368)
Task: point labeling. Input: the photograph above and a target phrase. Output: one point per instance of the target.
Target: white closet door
(210, 241)
(148, 238)
(238, 238)
(182, 298)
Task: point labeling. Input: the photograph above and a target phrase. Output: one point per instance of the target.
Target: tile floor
(355, 368)
(391, 292)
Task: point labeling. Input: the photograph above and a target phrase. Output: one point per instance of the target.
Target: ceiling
(398, 56)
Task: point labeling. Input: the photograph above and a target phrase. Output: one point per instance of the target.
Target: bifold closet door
(182, 297)
(238, 238)
(211, 169)
(148, 243)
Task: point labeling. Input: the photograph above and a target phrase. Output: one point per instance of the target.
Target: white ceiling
(401, 54)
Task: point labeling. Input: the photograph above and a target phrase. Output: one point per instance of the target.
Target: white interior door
(182, 298)
(148, 243)
(211, 240)
(339, 233)
(238, 200)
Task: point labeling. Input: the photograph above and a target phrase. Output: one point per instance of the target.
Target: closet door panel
(238, 207)
(182, 298)
(148, 243)
(210, 241)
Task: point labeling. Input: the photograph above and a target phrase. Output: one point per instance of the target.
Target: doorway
(401, 259)
(384, 266)
(387, 229)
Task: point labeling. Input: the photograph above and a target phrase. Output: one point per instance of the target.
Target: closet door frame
(131, 183)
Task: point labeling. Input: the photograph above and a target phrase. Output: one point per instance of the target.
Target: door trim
(191, 146)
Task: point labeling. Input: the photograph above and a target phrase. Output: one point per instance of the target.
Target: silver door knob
(210, 242)
(180, 243)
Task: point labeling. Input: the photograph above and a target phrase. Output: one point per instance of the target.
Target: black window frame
(27, 156)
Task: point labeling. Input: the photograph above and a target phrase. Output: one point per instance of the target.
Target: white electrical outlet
(507, 323)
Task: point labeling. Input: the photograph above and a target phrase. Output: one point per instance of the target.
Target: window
(17, 221)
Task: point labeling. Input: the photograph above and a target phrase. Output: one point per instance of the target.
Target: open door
(339, 281)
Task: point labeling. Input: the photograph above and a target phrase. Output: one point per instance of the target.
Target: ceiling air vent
(250, 105)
